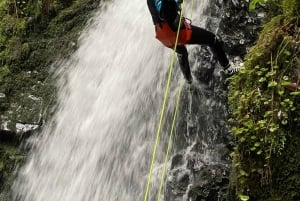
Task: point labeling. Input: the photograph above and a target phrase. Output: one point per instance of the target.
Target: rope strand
(146, 197)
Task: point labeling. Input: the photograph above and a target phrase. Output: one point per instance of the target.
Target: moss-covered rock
(31, 39)
(10, 157)
(265, 113)
(33, 35)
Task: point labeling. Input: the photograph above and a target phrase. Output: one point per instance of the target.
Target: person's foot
(233, 68)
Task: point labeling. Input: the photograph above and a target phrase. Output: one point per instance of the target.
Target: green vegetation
(33, 35)
(9, 157)
(254, 2)
(265, 111)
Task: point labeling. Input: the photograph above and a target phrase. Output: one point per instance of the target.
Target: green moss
(265, 112)
(10, 156)
(4, 71)
(11, 25)
(291, 8)
(33, 35)
(33, 40)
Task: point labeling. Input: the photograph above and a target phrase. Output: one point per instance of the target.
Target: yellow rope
(161, 118)
(192, 9)
(146, 197)
(169, 146)
(162, 180)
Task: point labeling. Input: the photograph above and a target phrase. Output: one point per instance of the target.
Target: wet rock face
(201, 163)
(239, 28)
(200, 166)
(195, 179)
(24, 116)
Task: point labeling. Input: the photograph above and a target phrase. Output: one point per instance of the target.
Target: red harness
(168, 37)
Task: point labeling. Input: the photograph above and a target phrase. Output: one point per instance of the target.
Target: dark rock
(201, 164)
(7, 136)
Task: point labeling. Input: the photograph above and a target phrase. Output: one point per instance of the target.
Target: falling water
(99, 143)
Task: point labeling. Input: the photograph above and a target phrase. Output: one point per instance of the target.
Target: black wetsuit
(169, 13)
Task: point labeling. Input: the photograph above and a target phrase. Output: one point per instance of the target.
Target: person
(166, 17)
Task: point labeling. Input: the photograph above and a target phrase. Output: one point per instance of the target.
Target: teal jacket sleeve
(158, 5)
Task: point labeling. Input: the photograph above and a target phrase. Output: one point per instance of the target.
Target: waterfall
(98, 145)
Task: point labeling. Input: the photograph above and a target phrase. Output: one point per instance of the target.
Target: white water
(99, 144)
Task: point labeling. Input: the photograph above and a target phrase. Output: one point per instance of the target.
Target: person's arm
(158, 5)
(167, 8)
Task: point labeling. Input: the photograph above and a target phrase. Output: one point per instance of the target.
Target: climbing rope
(169, 146)
(162, 179)
(146, 197)
(192, 7)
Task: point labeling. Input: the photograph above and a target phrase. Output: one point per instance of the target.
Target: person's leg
(182, 55)
(203, 37)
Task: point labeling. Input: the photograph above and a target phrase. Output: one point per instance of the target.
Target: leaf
(248, 124)
(262, 79)
(285, 78)
(259, 73)
(3, 3)
(243, 173)
(231, 120)
(257, 144)
(246, 116)
(256, 53)
(287, 100)
(273, 129)
(262, 123)
(272, 84)
(243, 139)
(295, 93)
(253, 137)
(286, 52)
(281, 92)
(268, 113)
(285, 83)
(253, 4)
(271, 73)
(253, 170)
(244, 197)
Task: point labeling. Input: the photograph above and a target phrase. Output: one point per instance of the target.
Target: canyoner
(167, 20)
(175, 31)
